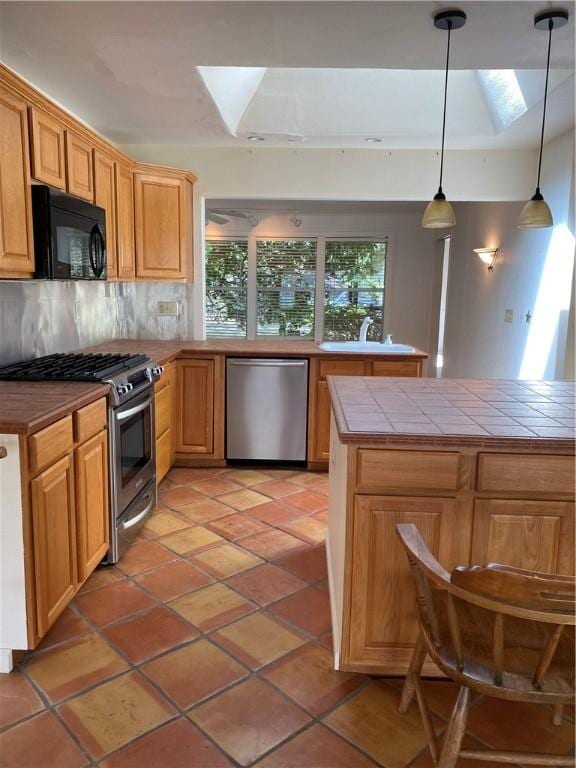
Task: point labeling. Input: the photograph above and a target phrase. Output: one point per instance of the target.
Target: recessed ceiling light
(255, 138)
(373, 140)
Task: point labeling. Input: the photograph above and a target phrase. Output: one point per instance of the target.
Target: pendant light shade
(439, 213)
(536, 214)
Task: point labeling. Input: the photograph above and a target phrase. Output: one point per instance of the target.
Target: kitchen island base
(497, 501)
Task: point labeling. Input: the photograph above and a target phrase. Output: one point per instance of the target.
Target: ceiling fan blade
(213, 217)
(233, 213)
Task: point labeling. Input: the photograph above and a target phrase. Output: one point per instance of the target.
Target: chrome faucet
(366, 323)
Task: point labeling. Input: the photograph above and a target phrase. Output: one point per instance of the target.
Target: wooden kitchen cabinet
(16, 243)
(164, 409)
(66, 511)
(200, 428)
(79, 166)
(92, 507)
(447, 491)
(536, 535)
(54, 541)
(126, 266)
(105, 197)
(163, 224)
(383, 617)
(47, 136)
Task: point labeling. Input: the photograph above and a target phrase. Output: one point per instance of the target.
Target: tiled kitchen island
(484, 469)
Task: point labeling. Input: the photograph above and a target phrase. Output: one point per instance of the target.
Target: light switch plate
(508, 315)
(168, 308)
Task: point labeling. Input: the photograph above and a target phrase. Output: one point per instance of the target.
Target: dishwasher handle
(268, 363)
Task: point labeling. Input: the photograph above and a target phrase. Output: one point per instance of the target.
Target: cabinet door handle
(268, 363)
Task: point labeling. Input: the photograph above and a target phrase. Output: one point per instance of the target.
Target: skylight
(503, 95)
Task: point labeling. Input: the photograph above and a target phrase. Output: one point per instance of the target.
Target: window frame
(252, 290)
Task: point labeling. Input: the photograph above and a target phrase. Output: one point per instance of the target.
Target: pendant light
(536, 214)
(439, 212)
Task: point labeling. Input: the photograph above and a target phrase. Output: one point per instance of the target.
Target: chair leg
(456, 730)
(416, 664)
(557, 714)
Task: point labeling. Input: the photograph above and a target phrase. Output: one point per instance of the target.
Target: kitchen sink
(371, 347)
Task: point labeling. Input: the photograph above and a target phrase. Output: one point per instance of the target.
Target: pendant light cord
(550, 28)
(445, 99)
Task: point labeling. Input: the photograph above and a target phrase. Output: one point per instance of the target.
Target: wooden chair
(497, 630)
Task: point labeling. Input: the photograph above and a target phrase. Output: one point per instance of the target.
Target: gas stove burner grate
(71, 367)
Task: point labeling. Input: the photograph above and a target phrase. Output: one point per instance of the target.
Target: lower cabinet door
(163, 455)
(536, 535)
(320, 426)
(196, 391)
(54, 535)
(92, 508)
(383, 618)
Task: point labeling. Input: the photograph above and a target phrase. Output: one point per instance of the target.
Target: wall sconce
(488, 256)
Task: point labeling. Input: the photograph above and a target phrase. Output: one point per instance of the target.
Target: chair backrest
(505, 626)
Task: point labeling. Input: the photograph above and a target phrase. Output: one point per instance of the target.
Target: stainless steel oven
(132, 467)
(133, 446)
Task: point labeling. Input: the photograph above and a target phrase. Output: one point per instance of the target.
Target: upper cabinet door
(125, 221)
(16, 246)
(163, 218)
(105, 197)
(79, 167)
(48, 153)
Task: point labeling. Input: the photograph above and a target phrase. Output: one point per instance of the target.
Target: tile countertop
(164, 351)
(27, 406)
(523, 415)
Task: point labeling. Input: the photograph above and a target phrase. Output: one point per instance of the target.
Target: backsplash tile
(40, 317)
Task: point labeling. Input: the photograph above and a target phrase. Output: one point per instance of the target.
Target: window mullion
(251, 296)
(319, 293)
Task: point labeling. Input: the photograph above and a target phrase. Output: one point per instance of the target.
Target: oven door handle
(141, 515)
(132, 411)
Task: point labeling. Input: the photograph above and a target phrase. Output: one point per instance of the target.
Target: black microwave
(69, 236)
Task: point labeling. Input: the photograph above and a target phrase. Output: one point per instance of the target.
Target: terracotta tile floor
(210, 647)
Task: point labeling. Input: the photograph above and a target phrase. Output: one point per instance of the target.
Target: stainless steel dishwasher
(266, 409)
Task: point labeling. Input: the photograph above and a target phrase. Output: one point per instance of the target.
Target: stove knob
(158, 370)
(129, 387)
(122, 389)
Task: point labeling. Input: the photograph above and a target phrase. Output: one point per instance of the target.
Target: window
(354, 272)
(285, 282)
(226, 287)
(316, 288)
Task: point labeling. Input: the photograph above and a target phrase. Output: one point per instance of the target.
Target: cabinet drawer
(411, 368)
(342, 368)
(407, 470)
(162, 401)
(47, 445)
(163, 455)
(90, 420)
(526, 474)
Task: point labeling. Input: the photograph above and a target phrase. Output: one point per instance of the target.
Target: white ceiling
(315, 73)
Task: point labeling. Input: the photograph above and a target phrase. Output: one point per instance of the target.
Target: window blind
(285, 286)
(354, 285)
(226, 288)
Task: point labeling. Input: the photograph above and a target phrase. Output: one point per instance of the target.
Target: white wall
(411, 263)
(314, 174)
(533, 274)
(360, 174)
